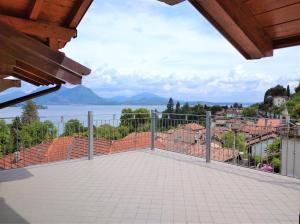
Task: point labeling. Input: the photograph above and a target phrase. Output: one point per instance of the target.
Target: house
(280, 101)
(233, 112)
(272, 123)
(258, 144)
(229, 113)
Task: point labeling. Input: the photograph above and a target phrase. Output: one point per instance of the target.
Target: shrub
(258, 159)
(276, 164)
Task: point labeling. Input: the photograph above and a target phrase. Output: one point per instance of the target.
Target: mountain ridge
(82, 95)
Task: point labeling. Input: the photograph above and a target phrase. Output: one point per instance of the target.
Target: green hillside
(293, 105)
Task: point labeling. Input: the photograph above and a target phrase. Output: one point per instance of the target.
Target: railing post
(152, 125)
(91, 135)
(234, 146)
(208, 135)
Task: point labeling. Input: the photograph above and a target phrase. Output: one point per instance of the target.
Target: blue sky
(135, 46)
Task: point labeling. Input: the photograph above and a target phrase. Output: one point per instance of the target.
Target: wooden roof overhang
(31, 33)
(254, 27)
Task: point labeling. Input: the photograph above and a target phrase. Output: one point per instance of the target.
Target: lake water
(59, 113)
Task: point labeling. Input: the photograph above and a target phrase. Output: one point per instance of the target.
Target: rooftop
(146, 186)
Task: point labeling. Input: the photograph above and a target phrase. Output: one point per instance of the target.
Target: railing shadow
(15, 174)
(9, 215)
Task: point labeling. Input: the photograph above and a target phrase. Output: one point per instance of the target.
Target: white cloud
(145, 45)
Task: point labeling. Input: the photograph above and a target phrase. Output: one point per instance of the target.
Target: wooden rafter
(37, 73)
(287, 42)
(53, 44)
(44, 62)
(77, 13)
(9, 83)
(5, 70)
(26, 28)
(237, 25)
(26, 79)
(36, 8)
(53, 55)
(38, 61)
(26, 74)
(44, 30)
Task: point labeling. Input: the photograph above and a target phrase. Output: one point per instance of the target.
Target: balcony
(146, 186)
(126, 181)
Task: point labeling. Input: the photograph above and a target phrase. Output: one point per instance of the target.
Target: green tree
(215, 109)
(229, 137)
(177, 107)
(30, 113)
(109, 132)
(127, 116)
(297, 89)
(288, 91)
(274, 148)
(4, 138)
(273, 154)
(296, 111)
(15, 130)
(142, 119)
(36, 132)
(170, 106)
(198, 109)
(135, 120)
(275, 91)
(249, 112)
(237, 105)
(186, 108)
(74, 127)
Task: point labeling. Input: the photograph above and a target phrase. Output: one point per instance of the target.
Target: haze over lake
(55, 112)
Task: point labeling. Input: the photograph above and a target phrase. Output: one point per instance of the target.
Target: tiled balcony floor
(146, 187)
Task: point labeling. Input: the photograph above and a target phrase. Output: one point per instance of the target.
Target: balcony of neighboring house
(152, 168)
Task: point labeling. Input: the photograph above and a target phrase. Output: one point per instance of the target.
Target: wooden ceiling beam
(38, 61)
(65, 71)
(6, 60)
(43, 30)
(5, 70)
(36, 9)
(77, 12)
(287, 42)
(26, 79)
(31, 76)
(52, 54)
(53, 44)
(9, 83)
(38, 73)
(237, 24)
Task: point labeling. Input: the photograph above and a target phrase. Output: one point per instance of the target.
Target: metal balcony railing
(271, 145)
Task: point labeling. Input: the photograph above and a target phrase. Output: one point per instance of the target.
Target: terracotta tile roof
(64, 148)
(269, 122)
(258, 139)
(217, 153)
(193, 127)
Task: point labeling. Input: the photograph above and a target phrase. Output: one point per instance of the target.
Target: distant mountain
(84, 96)
(77, 95)
(219, 103)
(11, 95)
(139, 99)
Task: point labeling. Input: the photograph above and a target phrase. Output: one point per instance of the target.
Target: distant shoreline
(191, 104)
